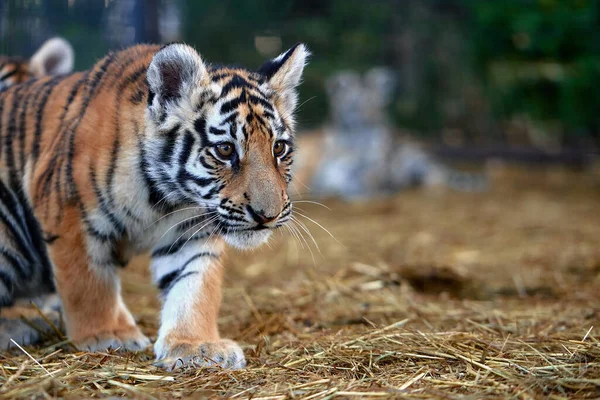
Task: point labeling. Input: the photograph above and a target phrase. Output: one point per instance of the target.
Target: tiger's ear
(341, 82)
(55, 57)
(174, 71)
(284, 74)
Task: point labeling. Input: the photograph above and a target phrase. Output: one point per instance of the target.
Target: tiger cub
(153, 150)
(54, 57)
(359, 153)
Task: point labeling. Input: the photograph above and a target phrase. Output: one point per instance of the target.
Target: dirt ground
(427, 294)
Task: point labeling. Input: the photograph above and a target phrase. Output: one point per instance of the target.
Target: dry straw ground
(440, 295)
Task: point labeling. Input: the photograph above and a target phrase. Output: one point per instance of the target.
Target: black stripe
(184, 154)
(91, 94)
(8, 74)
(172, 278)
(182, 174)
(231, 209)
(17, 263)
(176, 280)
(23, 130)
(29, 236)
(260, 101)
(133, 77)
(166, 280)
(200, 127)
(19, 236)
(271, 67)
(232, 104)
(155, 195)
(51, 238)
(48, 87)
(1, 120)
(215, 159)
(56, 162)
(233, 129)
(216, 131)
(13, 181)
(117, 225)
(12, 205)
(231, 119)
(8, 282)
(137, 97)
(213, 192)
(177, 245)
(70, 100)
(235, 82)
(204, 163)
(170, 140)
(234, 218)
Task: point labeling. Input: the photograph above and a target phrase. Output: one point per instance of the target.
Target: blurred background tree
(470, 72)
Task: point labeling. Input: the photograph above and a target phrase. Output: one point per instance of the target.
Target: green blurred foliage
(340, 33)
(540, 58)
(463, 65)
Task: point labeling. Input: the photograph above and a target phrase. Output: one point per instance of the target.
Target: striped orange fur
(150, 150)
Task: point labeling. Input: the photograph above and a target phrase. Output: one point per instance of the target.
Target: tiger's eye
(225, 149)
(279, 148)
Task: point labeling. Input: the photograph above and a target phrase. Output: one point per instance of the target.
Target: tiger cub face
(221, 139)
(359, 101)
(54, 57)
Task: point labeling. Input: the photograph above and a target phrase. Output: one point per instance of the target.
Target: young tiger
(151, 149)
(360, 154)
(54, 57)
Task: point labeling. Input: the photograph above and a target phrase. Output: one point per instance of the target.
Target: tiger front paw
(222, 353)
(127, 339)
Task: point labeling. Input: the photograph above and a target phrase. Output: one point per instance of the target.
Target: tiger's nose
(260, 217)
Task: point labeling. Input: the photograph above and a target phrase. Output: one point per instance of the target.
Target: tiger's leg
(95, 315)
(25, 274)
(190, 282)
(23, 324)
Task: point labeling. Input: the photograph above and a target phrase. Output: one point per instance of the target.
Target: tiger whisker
(268, 242)
(210, 221)
(305, 229)
(214, 243)
(312, 202)
(160, 201)
(312, 255)
(298, 108)
(296, 239)
(176, 211)
(320, 226)
(293, 182)
(301, 194)
(189, 229)
(219, 226)
(185, 220)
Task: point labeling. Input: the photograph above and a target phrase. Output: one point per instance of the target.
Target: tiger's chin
(246, 240)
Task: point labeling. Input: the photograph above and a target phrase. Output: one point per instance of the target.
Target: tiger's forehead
(244, 97)
(223, 75)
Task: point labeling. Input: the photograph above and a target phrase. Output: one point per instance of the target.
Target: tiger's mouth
(247, 238)
(247, 234)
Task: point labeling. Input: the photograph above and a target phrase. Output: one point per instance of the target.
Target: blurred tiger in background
(359, 153)
(54, 57)
(152, 150)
